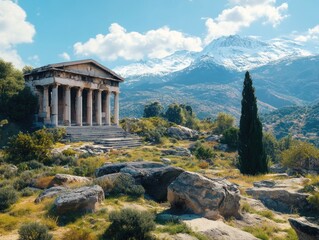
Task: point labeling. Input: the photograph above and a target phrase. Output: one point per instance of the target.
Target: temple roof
(71, 67)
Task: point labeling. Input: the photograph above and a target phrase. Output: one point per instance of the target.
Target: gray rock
(213, 138)
(177, 151)
(216, 230)
(304, 229)
(181, 132)
(110, 183)
(79, 200)
(211, 198)
(154, 177)
(166, 161)
(280, 199)
(154, 180)
(277, 168)
(66, 179)
(50, 193)
(116, 167)
(221, 147)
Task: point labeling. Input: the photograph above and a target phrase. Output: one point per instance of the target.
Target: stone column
(67, 106)
(45, 104)
(107, 109)
(54, 105)
(99, 107)
(79, 107)
(89, 108)
(116, 108)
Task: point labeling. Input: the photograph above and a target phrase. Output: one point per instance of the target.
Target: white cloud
(65, 56)
(311, 34)
(241, 14)
(119, 43)
(14, 29)
(34, 60)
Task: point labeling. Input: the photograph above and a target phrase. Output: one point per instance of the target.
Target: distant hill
(301, 122)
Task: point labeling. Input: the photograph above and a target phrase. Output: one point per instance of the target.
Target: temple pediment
(87, 67)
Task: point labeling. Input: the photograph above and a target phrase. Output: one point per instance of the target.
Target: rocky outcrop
(154, 177)
(79, 200)
(281, 195)
(216, 230)
(211, 198)
(304, 229)
(181, 132)
(116, 167)
(118, 183)
(66, 179)
(50, 193)
(177, 151)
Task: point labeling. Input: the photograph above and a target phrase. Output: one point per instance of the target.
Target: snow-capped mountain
(233, 52)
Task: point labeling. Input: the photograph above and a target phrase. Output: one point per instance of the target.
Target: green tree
(11, 82)
(152, 110)
(223, 122)
(175, 114)
(22, 106)
(252, 157)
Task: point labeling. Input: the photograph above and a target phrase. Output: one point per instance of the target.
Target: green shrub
(130, 224)
(8, 196)
(230, 137)
(69, 152)
(34, 231)
(223, 122)
(202, 152)
(26, 147)
(78, 234)
(8, 171)
(314, 200)
(124, 184)
(34, 164)
(26, 192)
(25, 179)
(301, 155)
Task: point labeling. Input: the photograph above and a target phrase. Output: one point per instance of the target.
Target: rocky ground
(191, 199)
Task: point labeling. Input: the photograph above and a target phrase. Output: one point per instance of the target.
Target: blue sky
(39, 32)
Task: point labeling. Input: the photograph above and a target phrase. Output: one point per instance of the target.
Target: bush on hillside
(202, 152)
(301, 156)
(223, 122)
(34, 231)
(26, 147)
(230, 137)
(130, 224)
(8, 196)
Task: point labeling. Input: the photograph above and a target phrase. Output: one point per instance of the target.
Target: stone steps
(108, 136)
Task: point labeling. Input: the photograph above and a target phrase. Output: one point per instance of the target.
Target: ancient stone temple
(77, 93)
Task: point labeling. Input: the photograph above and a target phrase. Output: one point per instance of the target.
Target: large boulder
(154, 180)
(50, 193)
(116, 167)
(281, 195)
(177, 151)
(181, 132)
(154, 177)
(211, 198)
(66, 179)
(216, 230)
(79, 200)
(119, 183)
(304, 229)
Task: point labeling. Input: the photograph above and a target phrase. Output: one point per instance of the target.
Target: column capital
(67, 87)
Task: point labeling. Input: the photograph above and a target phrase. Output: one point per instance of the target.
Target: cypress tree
(252, 157)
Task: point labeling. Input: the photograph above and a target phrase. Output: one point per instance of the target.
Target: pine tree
(252, 157)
